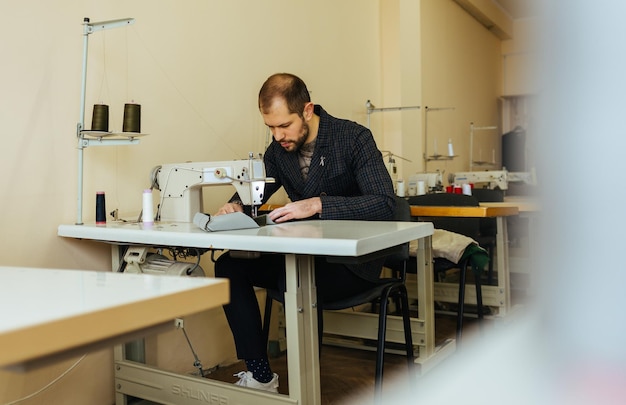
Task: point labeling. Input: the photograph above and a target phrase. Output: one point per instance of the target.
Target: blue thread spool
(101, 216)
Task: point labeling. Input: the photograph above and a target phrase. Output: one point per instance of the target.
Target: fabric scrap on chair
(455, 248)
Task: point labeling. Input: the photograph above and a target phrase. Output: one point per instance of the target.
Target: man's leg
(242, 312)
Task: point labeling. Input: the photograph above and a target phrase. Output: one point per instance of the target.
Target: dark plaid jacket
(347, 172)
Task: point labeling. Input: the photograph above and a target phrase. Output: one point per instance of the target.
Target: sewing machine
(495, 178)
(181, 185)
(432, 180)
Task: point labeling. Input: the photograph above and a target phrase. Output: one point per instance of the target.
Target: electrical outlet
(180, 324)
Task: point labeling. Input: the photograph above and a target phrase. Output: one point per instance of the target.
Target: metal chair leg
(461, 302)
(408, 336)
(380, 350)
(479, 298)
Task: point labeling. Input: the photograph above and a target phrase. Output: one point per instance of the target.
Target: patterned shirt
(306, 153)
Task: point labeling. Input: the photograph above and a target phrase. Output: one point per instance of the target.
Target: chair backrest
(463, 225)
(402, 213)
(398, 260)
(403, 210)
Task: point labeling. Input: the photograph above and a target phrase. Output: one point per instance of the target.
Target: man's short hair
(287, 86)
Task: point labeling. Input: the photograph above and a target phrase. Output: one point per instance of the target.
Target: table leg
(502, 253)
(133, 379)
(425, 295)
(302, 329)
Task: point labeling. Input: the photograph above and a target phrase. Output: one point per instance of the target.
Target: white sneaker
(246, 380)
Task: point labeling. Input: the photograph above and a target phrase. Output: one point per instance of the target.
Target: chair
(389, 288)
(488, 227)
(464, 226)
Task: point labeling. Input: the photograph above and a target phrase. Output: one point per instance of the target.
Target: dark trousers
(333, 281)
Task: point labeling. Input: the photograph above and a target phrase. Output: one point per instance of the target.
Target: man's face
(289, 129)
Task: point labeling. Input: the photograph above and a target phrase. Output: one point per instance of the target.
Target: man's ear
(308, 111)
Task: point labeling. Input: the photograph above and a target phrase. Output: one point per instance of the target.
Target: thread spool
(132, 118)
(421, 187)
(400, 187)
(467, 189)
(101, 216)
(100, 118)
(147, 215)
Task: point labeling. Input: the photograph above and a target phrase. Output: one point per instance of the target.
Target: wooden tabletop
(473, 212)
(484, 211)
(522, 204)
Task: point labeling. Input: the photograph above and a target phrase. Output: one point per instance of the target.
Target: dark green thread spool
(132, 118)
(100, 118)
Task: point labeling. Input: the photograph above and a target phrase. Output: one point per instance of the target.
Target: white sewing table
(301, 241)
(49, 315)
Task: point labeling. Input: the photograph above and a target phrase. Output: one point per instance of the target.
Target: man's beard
(297, 144)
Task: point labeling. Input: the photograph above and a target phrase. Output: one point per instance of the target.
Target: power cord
(50, 384)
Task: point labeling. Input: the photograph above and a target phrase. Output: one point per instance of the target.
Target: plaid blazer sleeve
(355, 183)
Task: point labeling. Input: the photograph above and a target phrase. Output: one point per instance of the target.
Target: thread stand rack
(480, 162)
(435, 156)
(95, 138)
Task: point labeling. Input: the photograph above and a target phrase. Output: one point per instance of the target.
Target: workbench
(498, 296)
(300, 241)
(50, 315)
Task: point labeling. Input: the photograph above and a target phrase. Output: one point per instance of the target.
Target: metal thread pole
(471, 162)
(81, 125)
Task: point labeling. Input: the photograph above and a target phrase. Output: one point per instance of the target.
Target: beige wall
(466, 77)
(195, 67)
(435, 54)
(519, 59)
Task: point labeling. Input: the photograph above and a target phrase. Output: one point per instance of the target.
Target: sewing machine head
(495, 178)
(181, 184)
(432, 180)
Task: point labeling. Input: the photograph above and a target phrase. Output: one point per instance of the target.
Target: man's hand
(297, 210)
(229, 208)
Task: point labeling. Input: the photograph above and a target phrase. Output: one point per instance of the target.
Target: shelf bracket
(371, 108)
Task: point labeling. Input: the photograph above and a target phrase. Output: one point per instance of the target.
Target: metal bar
(168, 388)
(493, 296)
(364, 325)
(413, 107)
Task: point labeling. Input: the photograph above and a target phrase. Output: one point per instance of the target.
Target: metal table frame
(300, 241)
(498, 296)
